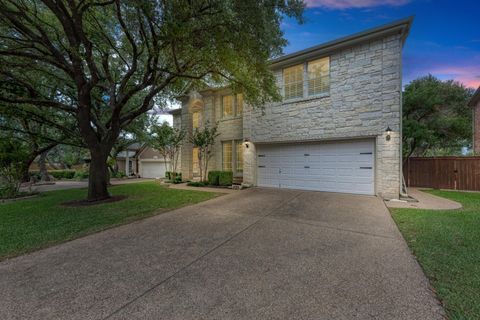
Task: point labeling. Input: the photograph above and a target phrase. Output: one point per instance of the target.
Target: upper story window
(307, 79)
(196, 119)
(227, 106)
(293, 82)
(239, 104)
(318, 72)
(232, 105)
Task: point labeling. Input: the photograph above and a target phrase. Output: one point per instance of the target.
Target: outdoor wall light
(389, 132)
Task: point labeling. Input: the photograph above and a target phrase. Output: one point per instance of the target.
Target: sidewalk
(425, 201)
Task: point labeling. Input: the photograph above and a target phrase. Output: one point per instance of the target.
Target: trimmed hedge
(197, 184)
(57, 174)
(81, 174)
(220, 178)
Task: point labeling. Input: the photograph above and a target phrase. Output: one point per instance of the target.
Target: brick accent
(476, 128)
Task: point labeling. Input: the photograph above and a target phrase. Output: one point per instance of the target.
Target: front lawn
(28, 225)
(447, 245)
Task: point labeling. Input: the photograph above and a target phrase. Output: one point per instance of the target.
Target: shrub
(35, 175)
(12, 156)
(118, 174)
(225, 178)
(57, 174)
(197, 184)
(213, 178)
(81, 174)
(178, 176)
(62, 174)
(220, 178)
(10, 180)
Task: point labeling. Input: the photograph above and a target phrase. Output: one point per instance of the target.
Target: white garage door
(154, 169)
(335, 167)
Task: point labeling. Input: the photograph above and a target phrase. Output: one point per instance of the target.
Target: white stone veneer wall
(364, 99)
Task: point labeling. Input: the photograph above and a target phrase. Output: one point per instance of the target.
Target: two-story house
(338, 128)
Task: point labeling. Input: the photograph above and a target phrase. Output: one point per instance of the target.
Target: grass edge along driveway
(447, 245)
(36, 223)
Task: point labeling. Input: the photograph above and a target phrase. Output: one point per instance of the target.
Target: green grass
(447, 245)
(28, 225)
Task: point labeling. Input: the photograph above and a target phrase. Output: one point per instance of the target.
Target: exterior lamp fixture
(246, 140)
(389, 132)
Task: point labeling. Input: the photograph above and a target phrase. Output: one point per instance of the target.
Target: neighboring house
(328, 133)
(142, 161)
(475, 104)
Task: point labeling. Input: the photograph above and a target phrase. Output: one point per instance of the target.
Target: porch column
(127, 167)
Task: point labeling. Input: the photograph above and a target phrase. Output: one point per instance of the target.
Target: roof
(400, 26)
(475, 98)
(135, 146)
(175, 111)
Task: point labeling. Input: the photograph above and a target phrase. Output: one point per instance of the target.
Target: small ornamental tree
(204, 139)
(168, 141)
(12, 156)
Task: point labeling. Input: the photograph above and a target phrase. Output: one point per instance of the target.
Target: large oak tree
(436, 118)
(111, 61)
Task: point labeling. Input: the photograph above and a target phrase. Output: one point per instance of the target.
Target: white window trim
(234, 156)
(305, 95)
(235, 113)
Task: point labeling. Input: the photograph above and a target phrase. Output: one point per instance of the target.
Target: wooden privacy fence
(457, 173)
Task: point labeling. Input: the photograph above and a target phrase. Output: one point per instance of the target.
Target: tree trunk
(26, 167)
(98, 176)
(43, 167)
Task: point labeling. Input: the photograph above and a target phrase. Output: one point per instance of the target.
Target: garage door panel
(152, 169)
(336, 167)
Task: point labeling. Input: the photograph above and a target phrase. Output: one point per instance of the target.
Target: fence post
(455, 178)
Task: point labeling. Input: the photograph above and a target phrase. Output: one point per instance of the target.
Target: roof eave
(175, 111)
(401, 26)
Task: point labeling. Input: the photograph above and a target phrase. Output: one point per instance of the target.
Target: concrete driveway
(256, 254)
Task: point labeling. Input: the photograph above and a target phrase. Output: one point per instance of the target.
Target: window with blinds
(239, 104)
(239, 156)
(293, 82)
(196, 119)
(227, 106)
(227, 155)
(318, 72)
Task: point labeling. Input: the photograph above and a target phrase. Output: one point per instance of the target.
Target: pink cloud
(347, 4)
(468, 75)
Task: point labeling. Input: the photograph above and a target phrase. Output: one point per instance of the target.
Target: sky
(444, 39)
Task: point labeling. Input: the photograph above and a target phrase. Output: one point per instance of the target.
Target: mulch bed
(85, 203)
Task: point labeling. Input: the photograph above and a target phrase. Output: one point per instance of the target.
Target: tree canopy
(436, 118)
(106, 62)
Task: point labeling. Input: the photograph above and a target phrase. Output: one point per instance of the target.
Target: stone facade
(364, 99)
(209, 103)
